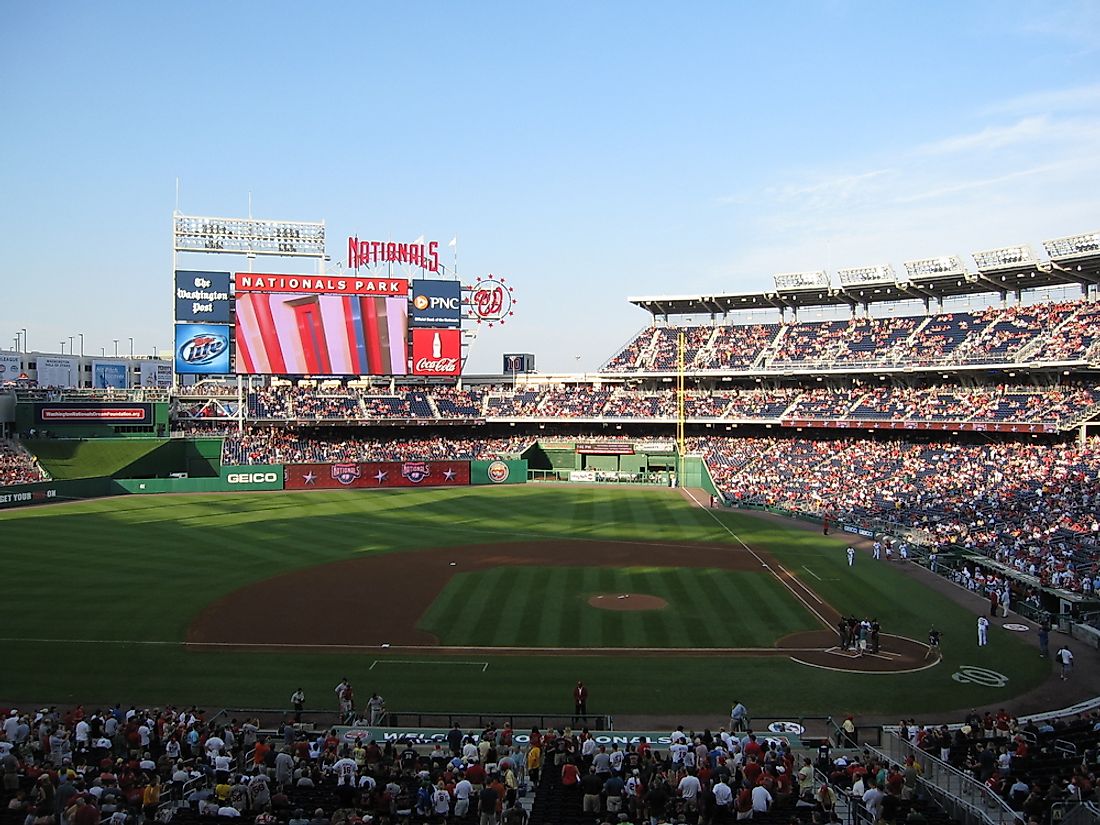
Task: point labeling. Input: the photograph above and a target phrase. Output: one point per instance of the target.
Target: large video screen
(283, 333)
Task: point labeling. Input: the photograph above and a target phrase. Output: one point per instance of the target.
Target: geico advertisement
(260, 477)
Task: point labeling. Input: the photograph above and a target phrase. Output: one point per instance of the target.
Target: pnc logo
(251, 478)
(420, 302)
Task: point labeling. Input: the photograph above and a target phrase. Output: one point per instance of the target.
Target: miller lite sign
(436, 352)
(202, 349)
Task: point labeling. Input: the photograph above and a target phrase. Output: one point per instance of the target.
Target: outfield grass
(100, 593)
(548, 607)
(68, 459)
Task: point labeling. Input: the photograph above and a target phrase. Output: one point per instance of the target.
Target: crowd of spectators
(1062, 331)
(990, 403)
(262, 445)
(17, 466)
(1036, 767)
(1034, 507)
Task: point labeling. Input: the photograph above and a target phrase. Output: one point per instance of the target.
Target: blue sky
(585, 151)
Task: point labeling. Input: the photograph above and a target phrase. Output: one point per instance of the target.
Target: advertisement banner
(610, 448)
(498, 471)
(11, 365)
(292, 334)
(436, 304)
(375, 474)
(112, 374)
(202, 349)
(202, 297)
(437, 351)
(53, 415)
(58, 371)
(321, 284)
(156, 374)
(947, 426)
(254, 477)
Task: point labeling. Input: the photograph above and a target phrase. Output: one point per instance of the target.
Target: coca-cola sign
(439, 366)
(436, 352)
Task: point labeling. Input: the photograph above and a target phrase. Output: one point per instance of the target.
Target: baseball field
(472, 599)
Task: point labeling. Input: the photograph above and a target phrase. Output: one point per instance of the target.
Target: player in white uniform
(983, 631)
(851, 556)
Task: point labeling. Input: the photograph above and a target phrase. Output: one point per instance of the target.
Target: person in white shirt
(761, 799)
(345, 770)
(851, 556)
(983, 631)
(463, 791)
(1064, 657)
(723, 796)
(441, 801)
(83, 731)
(678, 735)
(228, 810)
(872, 799)
(676, 751)
(689, 789)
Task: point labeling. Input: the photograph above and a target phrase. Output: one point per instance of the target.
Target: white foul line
(811, 572)
(765, 565)
(445, 662)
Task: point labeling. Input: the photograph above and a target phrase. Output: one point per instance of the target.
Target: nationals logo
(491, 300)
(415, 471)
(345, 473)
(498, 472)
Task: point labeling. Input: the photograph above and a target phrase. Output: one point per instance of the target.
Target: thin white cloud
(1048, 102)
(1027, 130)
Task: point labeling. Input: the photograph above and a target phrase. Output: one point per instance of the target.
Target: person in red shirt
(569, 774)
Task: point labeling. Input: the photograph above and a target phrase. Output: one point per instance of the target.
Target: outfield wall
(277, 477)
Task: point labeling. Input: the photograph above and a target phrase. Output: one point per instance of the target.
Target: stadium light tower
(248, 236)
(131, 346)
(81, 334)
(116, 347)
(1073, 246)
(787, 281)
(25, 347)
(867, 275)
(935, 267)
(1008, 257)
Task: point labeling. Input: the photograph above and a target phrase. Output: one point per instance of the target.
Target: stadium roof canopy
(1072, 260)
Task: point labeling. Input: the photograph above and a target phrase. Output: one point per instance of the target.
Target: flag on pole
(454, 241)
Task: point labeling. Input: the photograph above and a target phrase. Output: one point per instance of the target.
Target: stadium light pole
(131, 347)
(71, 345)
(116, 346)
(25, 347)
(62, 342)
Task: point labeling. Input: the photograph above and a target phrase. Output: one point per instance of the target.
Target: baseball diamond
(298, 585)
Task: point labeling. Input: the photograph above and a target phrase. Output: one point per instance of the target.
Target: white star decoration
(309, 477)
(380, 476)
(448, 474)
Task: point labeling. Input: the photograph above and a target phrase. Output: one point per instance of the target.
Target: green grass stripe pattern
(100, 594)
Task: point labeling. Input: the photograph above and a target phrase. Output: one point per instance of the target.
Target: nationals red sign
(437, 352)
(374, 474)
(368, 253)
(331, 284)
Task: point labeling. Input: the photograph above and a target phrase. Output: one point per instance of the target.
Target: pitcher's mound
(627, 601)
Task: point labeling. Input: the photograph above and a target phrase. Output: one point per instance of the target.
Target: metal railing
(963, 797)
